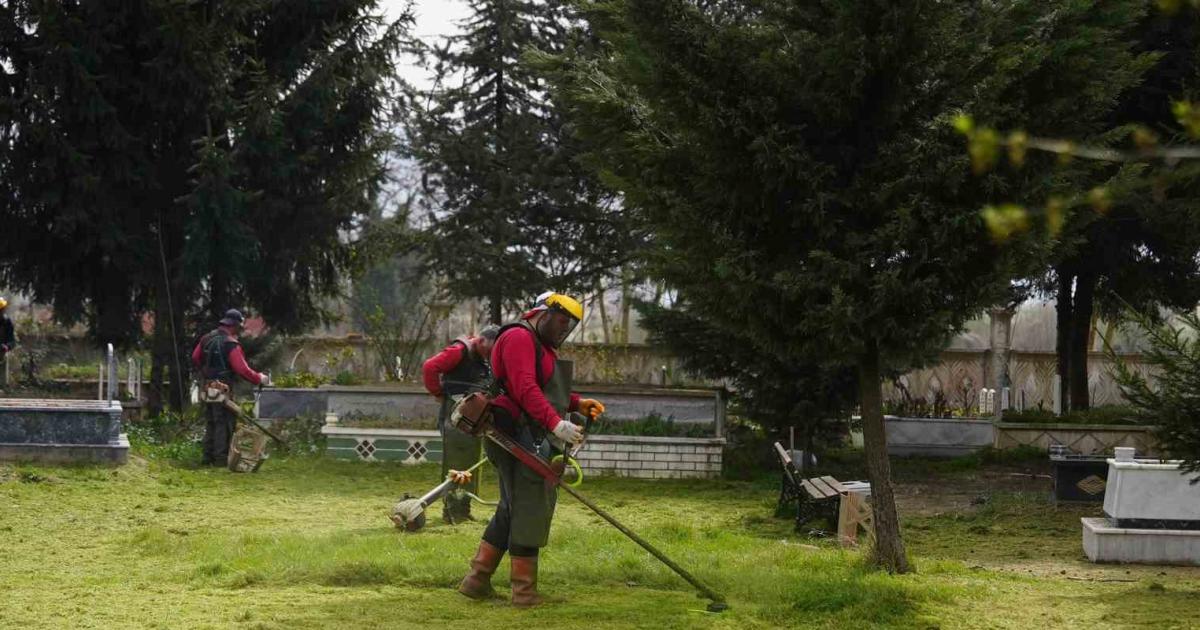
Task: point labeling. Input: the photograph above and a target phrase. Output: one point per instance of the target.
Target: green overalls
(525, 498)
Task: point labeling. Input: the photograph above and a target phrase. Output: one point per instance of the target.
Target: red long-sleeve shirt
(513, 363)
(438, 365)
(237, 363)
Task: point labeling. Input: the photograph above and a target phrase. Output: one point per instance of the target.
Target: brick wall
(652, 457)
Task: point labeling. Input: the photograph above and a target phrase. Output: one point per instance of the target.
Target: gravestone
(1152, 515)
(62, 431)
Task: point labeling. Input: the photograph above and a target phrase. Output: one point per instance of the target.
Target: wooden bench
(813, 497)
(825, 497)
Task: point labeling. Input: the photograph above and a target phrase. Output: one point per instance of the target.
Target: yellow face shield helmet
(559, 303)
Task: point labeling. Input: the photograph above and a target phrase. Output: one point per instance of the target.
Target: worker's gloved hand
(460, 477)
(568, 432)
(590, 407)
(265, 380)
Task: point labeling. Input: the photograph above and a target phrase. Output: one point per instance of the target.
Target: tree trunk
(888, 552)
(1062, 341)
(626, 303)
(170, 356)
(155, 394)
(168, 378)
(495, 310)
(1081, 325)
(603, 312)
(218, 291)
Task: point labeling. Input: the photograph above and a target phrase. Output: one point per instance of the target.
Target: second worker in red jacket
(537, 397)
(463, 367)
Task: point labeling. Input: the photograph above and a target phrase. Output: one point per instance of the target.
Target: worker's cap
(233, 317)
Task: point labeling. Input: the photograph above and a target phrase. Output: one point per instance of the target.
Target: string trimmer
(473, 416)
(409, 513)
(247, 448)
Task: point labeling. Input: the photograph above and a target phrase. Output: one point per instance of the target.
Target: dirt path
(962, 493)
(949, 497)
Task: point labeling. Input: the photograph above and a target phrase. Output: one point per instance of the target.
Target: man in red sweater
(219, 357)
(463, 367)
(532, 410)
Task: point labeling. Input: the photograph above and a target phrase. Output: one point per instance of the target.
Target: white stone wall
(652, 457)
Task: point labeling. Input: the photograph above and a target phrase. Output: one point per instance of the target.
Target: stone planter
(1082, 439)
(621, 455)
(683, 406)
(407, 446)
(277, 403)
(401, 403)
(412, 405)
(1148, 493)
(937, 437)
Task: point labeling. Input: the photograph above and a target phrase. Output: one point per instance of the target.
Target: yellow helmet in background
(551, 301)
(3, 304)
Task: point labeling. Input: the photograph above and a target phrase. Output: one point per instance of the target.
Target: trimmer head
(409, 515)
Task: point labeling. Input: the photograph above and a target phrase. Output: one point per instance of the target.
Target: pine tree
(797, 166)
(1169, 401)
(513, 212)
(1144, 251)
(183, 158)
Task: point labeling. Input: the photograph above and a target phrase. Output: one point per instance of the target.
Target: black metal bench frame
(818, 497)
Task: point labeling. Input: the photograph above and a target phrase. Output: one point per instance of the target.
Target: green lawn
(307, 543)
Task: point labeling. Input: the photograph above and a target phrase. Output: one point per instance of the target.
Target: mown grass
(306, 543)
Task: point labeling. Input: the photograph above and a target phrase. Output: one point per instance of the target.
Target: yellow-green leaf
(1018, 142)
(1056, 216)
(984, 148)
(1005, 221)
(1100, 199)
(964, 124)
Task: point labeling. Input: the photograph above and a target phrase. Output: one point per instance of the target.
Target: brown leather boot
(478, 583)
(524, 581)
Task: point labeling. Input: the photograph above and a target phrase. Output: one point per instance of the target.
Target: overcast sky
(435, 18)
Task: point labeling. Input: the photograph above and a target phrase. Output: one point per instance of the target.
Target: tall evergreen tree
(188, 157)
(1144, 251)
(796, 164)
(513, 212)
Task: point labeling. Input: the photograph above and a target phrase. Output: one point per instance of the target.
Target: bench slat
(783, 454)
(835, 484)
(822, 487)
(812, 489)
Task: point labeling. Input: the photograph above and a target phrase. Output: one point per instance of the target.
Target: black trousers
(219, 425)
